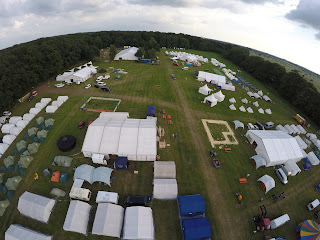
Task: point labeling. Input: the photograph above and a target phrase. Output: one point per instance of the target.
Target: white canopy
(15, 131)
(232, 100)
(268, 111)
(138, 224)
(165, 189)
(57, 103)
(249, 110)
(62, 98)
(28, 116)
(259, 161)
(34, 111)
(40, 105)
(6, 128)
(256, 104)
(17, 232)
(301, 143)
(276, 147)
(8, 139)
(164, 169)
(51, 109)
(77, 218)
(268, 182)
(238, 124)
(45, 100)
(211, 99)
(108, 220)
(205, 90)
(3, 148)
(281, 128)
(22, 123)
(289, 129)
(260, 110)
(15, 119)
(245, 101)
(232, 107)
(35, 206)
(219, 96)
(313, 158)
(242, 109)
(266, 98)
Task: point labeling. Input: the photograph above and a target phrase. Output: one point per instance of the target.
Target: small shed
(5, 129)
(15, 119)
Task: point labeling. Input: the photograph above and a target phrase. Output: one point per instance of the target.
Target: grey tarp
(25, 161)
(36, 206)
(91, 174)
(40, 120)
(33, 147)
(12, 183)
(17, 232)
(57, 192)
(3, 206)
(8, 161)
(63, 161)
(49, 122)
(32, 131)
(21, 145)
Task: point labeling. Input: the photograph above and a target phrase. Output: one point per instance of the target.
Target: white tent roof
(6, 127)
(256, 104)
(311, 136)
(62, 98)
(77, 218)
(295, 129)
(268, 182)
(28, 116)
(164, 169)
(276, 147)
(8, 139)
(15, 119)
(304, 153)
(3, 148)
(51, 109)
(245, 101)
(313, 158)
(281, 128)
(256, 95)
(34, 111)
(83, 73)
(219, 96)
(268, 111)
(122, 115)
(127, 54)
(301, 129)
(316, 142)
(293, 167)
(205, 90)
(260, 93)
(211, 99)
(40, 105)
(45, 100)
(238, 124)
(138, 224)
(128, 141)
(232, 107)
(250, 94)
(301, 143)
(35, 206)
(165, 189)
(260, 110)
(57, 103)
(17, 232)
(210, 77)
(232, 100)
(22, 123)
(260, 161)
(266, 98)
(16, 131)
(249, 110)
(108, 220)
(242, 109)
(289, 129)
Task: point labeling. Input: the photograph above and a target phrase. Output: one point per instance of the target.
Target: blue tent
(121, 163)
(151, 111)
(196, 229)
(191, 205)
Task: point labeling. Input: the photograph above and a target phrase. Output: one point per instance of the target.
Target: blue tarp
(120, 162)
(196, 229)
(191, 205)
(146, 60)
(151, 111)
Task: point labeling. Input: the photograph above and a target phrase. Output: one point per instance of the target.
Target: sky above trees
(289, 29)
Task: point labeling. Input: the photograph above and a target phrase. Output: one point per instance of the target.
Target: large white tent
(210, 100)
(8, 139)
(164, 169)
(127, 54)
(77, 218)
(301, 129)
(6, 128)
(121, 115)
(108, 220)
(301, 143)
(205, 90)
(28, 116)
(260, 110)
(17, 232)
(15, 131)
(276, 147)
(138, 224)
(210, 77)
(40, 105)
(82, 75)
(35, 206)
(3, 148)
(313, 158)
(15, 119)
(219, 96)
(22, 123)
(295, 129)
(268, 182)
(165, 189)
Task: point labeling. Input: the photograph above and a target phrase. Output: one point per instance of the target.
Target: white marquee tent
(17, 232)
(121, 115)
(205, 90)
(313, 158)
(15, 131)
(268, 182)
(62, 77)
(232, 107)
(210, 77)
(51, 109)
(164, 169)
(219, 96)
(127, 54)
(211, 100)
(281, 128)
(311, 136)
(57, 103)
(138, 224)
(22, 123)
(165, 189)
(77, 218)
(14, 119)
(82, 75)
(276, 147)
(35, 206)
(108, 220)
(289, 129)
(292, 167)
(62, 98)
(3, 148)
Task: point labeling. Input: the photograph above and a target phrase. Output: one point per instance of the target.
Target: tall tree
(112, 52)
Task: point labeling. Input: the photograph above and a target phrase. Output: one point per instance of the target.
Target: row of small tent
(291, 129)
(250, 110)
(56, 104)
(214, 98)
(245, 101)
(216, 63)
(259, 94)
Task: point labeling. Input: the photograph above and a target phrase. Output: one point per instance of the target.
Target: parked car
(269, 125)
(260, 126)
(97, 86)
(106, 89)
(88, 86)
(250, 126)
(6, 113)
(281, 175)
(137, 200)
(81, 124)
(101, 83)
(315, 203)
(59, 85)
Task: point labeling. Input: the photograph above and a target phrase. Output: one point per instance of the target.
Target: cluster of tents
(188, 57)
(214, 98)
(56, 104)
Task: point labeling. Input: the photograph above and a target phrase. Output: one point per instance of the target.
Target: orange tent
(55, 176)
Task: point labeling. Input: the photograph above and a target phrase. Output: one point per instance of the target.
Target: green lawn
(152, 85)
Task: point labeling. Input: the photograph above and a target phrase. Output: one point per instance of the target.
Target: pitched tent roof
(242, 109)
(210, 77)
(289, 129)
(57, 103)
(295, 129)
(191, 205)
(164, 169)
(108, 220)
(45, 100)
(249, 110)
(302, 130)
(219, 96)
(281, 128)
(15, 119)
(77, 217)
(122, 115)
(62, 98)
(34, 111)
(205, 90)
(293, 167)
(259, 161)
(311, 136)
(232, 100)
(6, 127)
(40, 105)
(28, 116)
(268, 111)
(165, 189)
(51, 109)
(138, 224)
(266, 98)
(22, 123)
(211, 99)
(17, 232)
(313, 158)
(268, 182)
(232, 107)
(238, 124)
(127, 54)
(260, 110)
(197, 228)
(35, 206)
(276, 147)
(8, 139)
(301, 143)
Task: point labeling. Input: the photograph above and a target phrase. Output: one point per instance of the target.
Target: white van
(275, 223)
(315, 203)
(80, 194)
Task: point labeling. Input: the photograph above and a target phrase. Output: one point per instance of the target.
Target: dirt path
(220, 210)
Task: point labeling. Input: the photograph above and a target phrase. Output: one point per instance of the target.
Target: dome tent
(3, 148)
(49, 123)
(42, 135)
(211, 100)
(66, 143)
(6, 128)
(22, 123)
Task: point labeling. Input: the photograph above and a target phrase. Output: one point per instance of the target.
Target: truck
(299, 119)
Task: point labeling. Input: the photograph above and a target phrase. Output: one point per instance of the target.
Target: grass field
(152, 85)
(101, 104)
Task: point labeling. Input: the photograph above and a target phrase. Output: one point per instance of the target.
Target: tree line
(24, 66)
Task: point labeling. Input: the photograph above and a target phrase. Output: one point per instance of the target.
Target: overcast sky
(289, 29)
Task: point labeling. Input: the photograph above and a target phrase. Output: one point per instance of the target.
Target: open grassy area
(152, 85)
(102, 104)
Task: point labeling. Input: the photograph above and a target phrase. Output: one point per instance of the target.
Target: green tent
(22, 171)
(39, 120)
(1, 177)
(8, 161)
(35, 139)
(62, 161)
(32, 132)
(33, 147)
(15, 152)
(3, 169)
(12, 183)
(49, 122)
(3, 189)
(25, 153)
(25, 161)
(3, 206)
(21, 146)
(10, 194)
(42, 134)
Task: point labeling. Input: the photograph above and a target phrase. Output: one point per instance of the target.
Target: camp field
(145, 85)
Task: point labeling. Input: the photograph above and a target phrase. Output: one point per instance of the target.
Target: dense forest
(26, 65)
